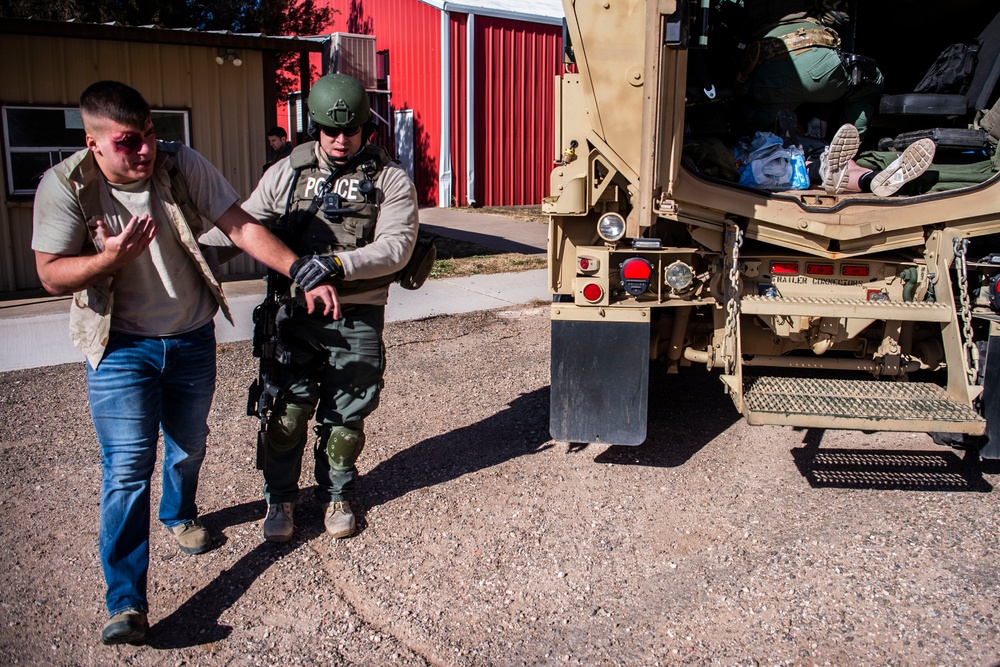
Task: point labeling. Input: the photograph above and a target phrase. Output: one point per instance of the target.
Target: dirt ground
(482, 542)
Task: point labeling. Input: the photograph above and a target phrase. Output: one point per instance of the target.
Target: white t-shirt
(161, 292)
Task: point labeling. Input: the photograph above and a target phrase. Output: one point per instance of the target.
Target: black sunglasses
(337, 131)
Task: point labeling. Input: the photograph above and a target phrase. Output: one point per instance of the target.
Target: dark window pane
(27, 169)
(41, 127)
(169, 126)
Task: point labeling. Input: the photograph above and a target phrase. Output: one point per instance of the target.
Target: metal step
(857, 404)
(907, 311)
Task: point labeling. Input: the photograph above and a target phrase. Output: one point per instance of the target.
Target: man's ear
(91, 143)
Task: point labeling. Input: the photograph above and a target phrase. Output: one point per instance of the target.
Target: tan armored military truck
(817, 310)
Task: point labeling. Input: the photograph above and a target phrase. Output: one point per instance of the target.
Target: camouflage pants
(938, 177)
(811, 76)
(336, 372)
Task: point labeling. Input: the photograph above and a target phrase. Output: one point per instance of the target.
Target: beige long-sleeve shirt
(395, 228)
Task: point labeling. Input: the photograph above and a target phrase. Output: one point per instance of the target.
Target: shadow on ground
(519, 429)
(898, 470)
(686, 412)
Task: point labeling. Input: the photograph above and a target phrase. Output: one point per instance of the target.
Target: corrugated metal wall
(458, 29)
(515, 109)
(411, 32)
(226, 105)
(514, 66)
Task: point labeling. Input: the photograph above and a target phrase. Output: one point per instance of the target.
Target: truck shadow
(896, 470)
(519, 429)
(686, 412)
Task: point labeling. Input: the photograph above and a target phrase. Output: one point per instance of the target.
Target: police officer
(795, 57)
(351, 213)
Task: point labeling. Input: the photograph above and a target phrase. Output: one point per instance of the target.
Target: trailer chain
(965, 310)
(734, 239)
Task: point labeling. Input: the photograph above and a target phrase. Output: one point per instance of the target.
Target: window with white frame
(37, 138)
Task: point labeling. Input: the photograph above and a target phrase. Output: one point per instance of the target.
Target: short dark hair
(115, 101)
(277, 132)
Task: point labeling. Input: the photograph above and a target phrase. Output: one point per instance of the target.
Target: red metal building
(474, 81)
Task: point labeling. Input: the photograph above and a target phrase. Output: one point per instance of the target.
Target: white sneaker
(278, 526)
(833, 164)
(338, 518)
(911, 163)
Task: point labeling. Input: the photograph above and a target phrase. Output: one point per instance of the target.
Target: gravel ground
(482, 542)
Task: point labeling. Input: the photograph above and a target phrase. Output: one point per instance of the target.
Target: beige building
(214, 91)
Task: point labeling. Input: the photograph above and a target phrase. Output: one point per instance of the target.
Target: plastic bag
(770, 165)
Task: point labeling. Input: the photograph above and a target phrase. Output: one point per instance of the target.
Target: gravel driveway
(482, 542)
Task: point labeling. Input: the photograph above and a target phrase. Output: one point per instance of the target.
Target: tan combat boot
(278, 526)
(338, 518)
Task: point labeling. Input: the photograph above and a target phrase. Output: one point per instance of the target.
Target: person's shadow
(519, 429)
(196, 621)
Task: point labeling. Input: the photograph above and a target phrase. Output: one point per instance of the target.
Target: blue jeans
(141, 386)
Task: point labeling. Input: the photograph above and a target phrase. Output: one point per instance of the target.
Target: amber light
(784, 267)
(854, 270)
(820, 269)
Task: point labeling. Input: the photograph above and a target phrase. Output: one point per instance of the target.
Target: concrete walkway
(35, 332)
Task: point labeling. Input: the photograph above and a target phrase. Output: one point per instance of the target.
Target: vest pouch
(418, 268)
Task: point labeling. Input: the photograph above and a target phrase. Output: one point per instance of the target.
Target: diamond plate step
(857, 404)
(907, 311)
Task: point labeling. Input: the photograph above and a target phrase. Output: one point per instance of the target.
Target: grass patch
(510, 262)
(527, 213)
(461, 258)
(456, 259)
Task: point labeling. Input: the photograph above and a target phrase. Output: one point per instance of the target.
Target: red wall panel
(513, 69)
(515, 109)
(411, 32)
(458, 29)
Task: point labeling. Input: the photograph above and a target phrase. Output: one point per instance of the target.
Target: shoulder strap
(303, 155)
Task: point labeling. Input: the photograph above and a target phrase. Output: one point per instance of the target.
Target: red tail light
(593, 292)
(854, 270)
(636, 274)
(820, 269)
(784, 267)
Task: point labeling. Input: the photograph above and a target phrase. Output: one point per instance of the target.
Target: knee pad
(341, 444)
(287, 425)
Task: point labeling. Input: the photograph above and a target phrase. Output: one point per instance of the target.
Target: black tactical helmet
(340, 101)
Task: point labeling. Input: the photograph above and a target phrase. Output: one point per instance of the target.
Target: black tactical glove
(311, 270)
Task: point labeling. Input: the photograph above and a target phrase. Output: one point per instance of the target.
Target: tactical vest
(335, 213)
(90, 312)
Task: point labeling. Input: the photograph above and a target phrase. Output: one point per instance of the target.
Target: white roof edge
(479, 10)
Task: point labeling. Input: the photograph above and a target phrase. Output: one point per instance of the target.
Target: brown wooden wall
(226, 105)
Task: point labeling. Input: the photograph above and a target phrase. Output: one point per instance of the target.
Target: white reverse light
(679, 275)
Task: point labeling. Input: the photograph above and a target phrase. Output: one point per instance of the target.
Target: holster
(860, 69)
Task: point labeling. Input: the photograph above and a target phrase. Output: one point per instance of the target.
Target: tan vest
(90, 312)
(354, 224)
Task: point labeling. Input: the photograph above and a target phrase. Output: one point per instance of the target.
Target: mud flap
(600, 382)
(991, 400)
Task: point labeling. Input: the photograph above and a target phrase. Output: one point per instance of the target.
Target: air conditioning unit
(354, 55)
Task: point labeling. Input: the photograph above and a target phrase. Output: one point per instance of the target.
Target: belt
(774, 48)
